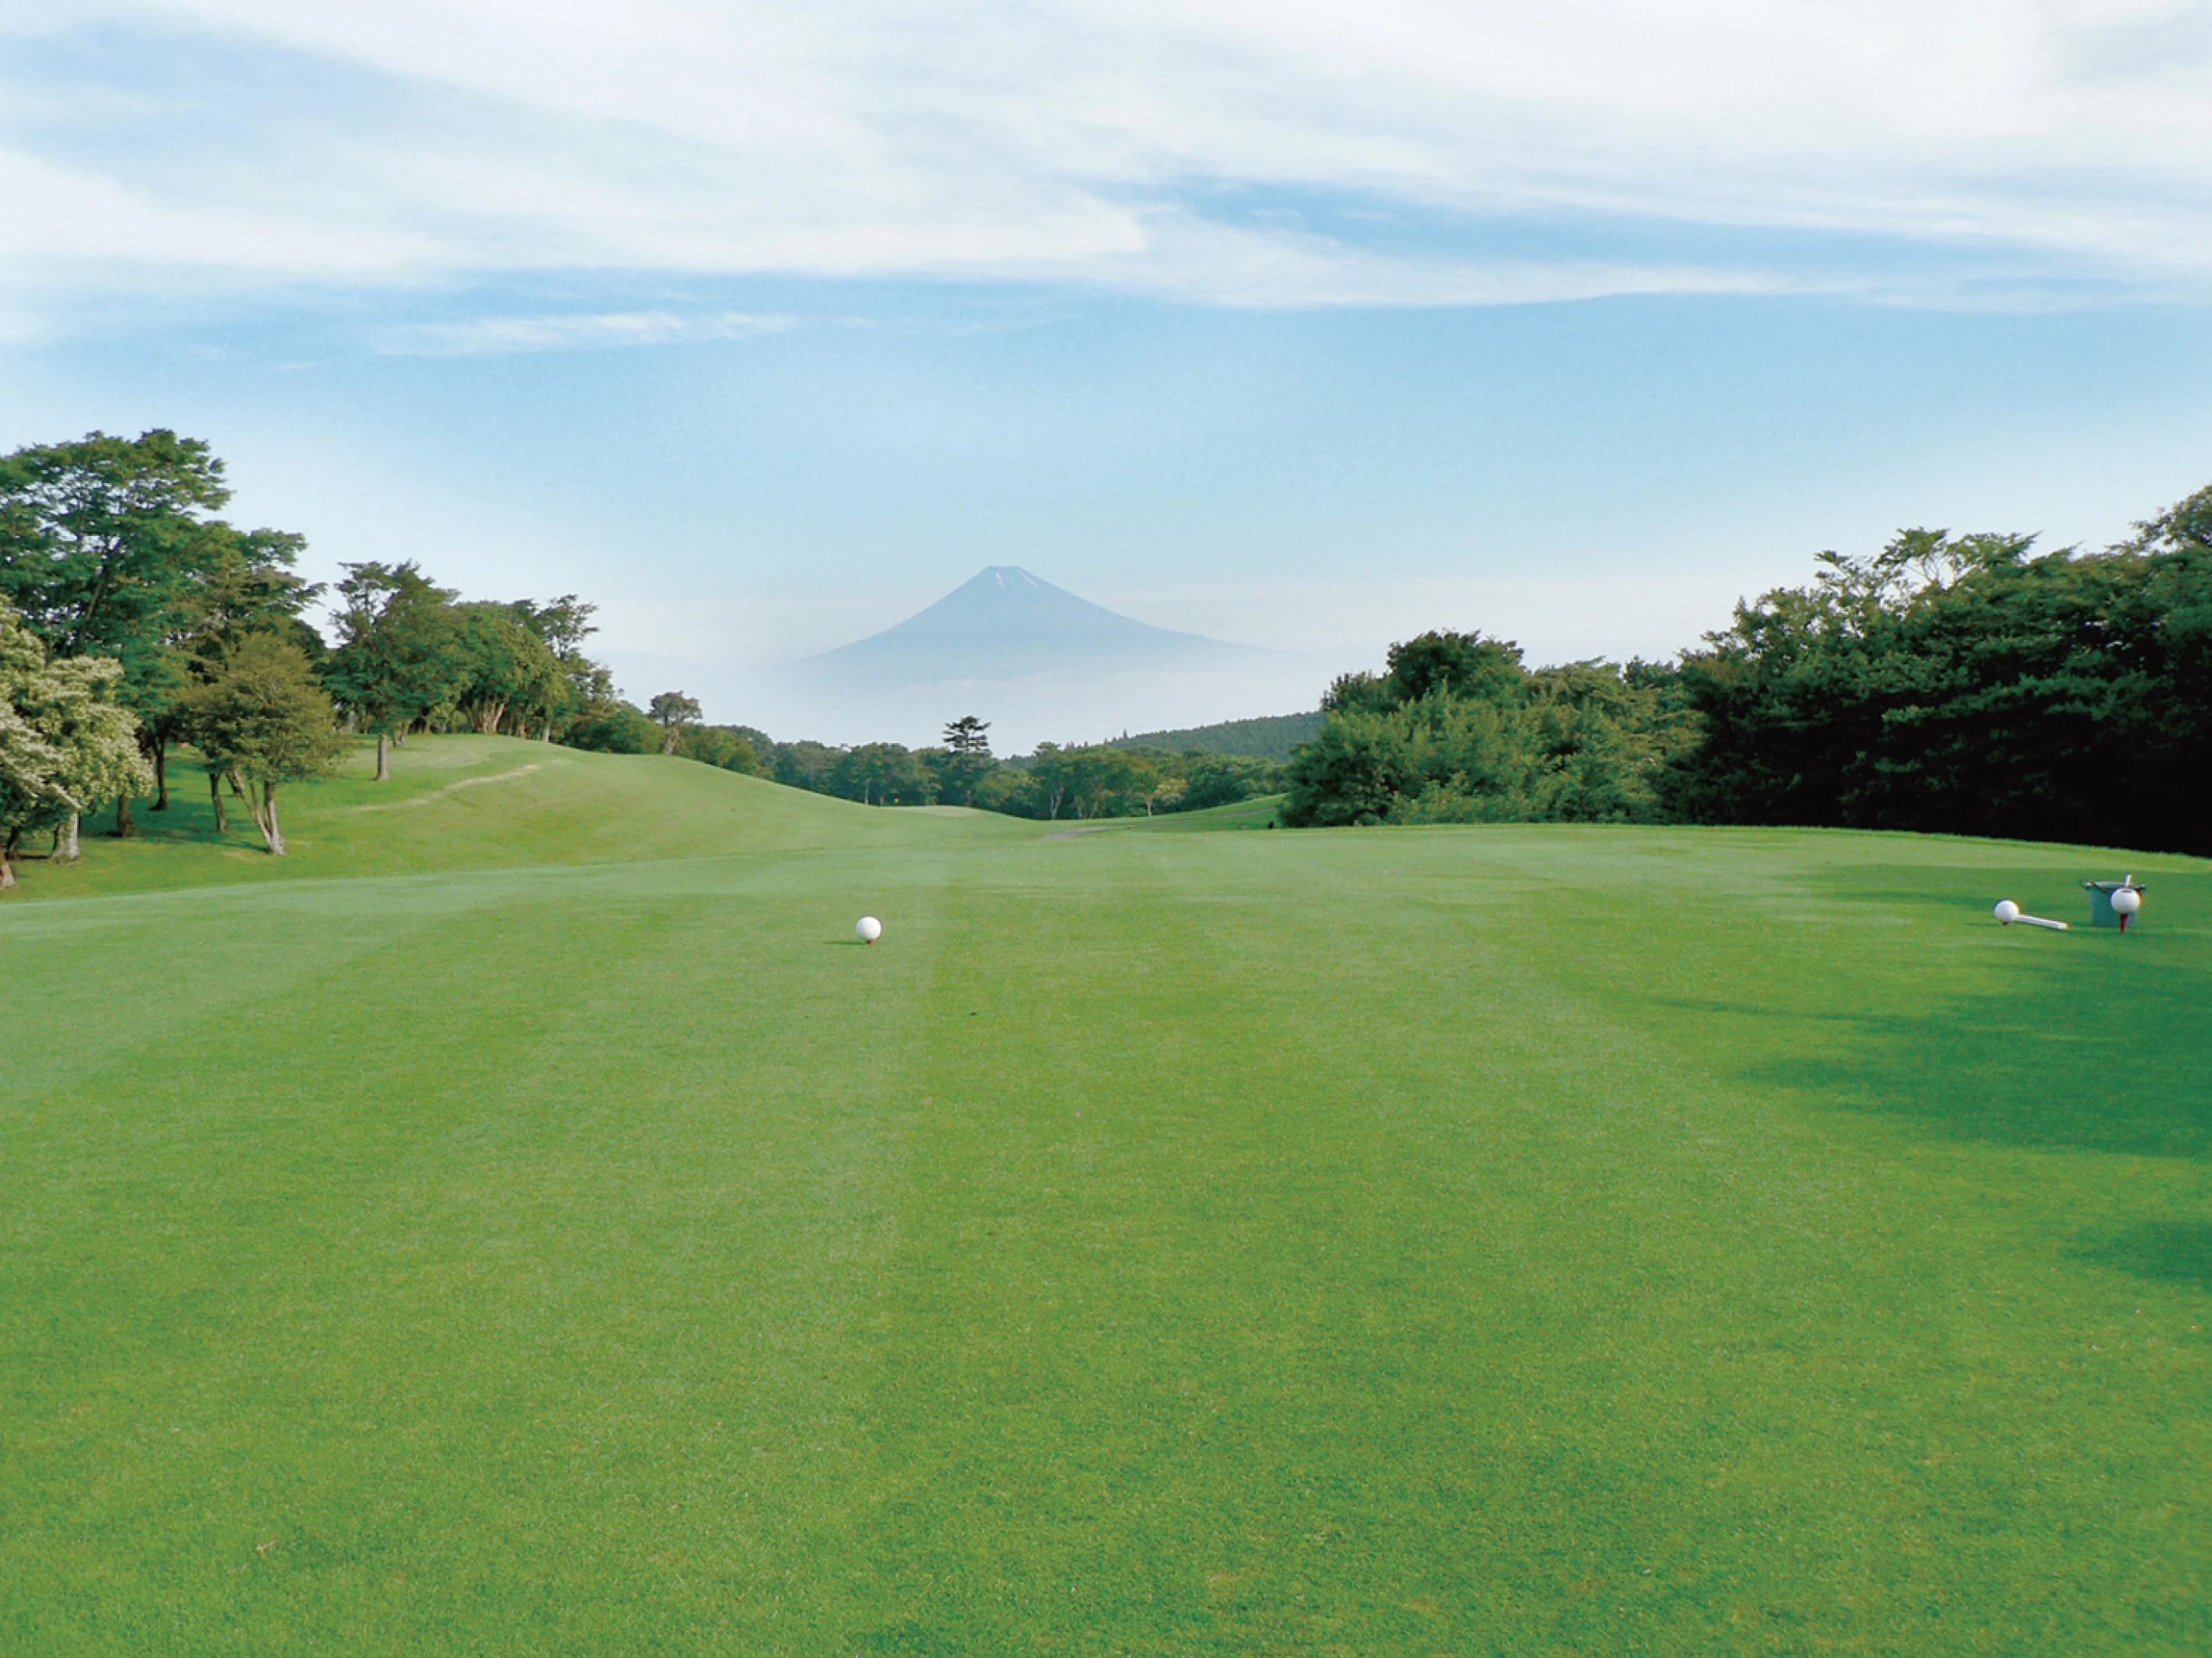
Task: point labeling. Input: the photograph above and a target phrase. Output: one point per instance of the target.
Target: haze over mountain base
(1038, 663)
(1022, 712)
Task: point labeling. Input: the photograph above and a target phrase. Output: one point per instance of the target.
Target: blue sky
(1301, 325)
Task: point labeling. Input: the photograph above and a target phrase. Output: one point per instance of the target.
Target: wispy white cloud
(1630, 146)
(481, 335)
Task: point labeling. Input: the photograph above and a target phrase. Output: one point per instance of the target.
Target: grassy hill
(460, 803)
(1454, 1240)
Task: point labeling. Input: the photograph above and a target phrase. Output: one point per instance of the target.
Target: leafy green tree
(1458, 731)
(1165, 791)
(1086, 779)
(1352, 771)
(504, 666)
(728, 747)
(65, 741)
(805, 765)
(108, 547)
(400, 656)
(1049, 775)
(1966, 684)
(1004, 788)
(672, 711)
(1109, 782)
(1439, 662)
(1221, 780)
(264, 719)
(253, 589)
(608, 725)
(98, 538)
(883, 775)
(562, 625)
(2183, 527)
(1463, 665)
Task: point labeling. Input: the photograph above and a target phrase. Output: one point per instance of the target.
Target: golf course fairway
(525, 1221)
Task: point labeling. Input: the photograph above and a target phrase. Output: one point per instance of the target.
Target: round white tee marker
(869, 929)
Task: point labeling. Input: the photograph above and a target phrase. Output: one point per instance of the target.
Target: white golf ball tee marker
(2114, 903)
(869, 929)
(2008, 912)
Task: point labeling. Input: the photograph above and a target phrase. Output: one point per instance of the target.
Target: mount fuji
(1007, 624)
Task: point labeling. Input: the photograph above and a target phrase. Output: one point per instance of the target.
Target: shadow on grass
(2111, 1053)
(2170, 1251)
(2074, 1076)
(2085, 1041)
(189, 816)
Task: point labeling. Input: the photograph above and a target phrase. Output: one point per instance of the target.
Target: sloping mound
(457, 803)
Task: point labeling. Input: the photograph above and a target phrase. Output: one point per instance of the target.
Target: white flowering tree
(66, 745)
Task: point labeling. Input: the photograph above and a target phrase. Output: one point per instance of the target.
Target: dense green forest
(1273, 737)
(1457, 731)
(1081, 780)
(1961, 684)
(1956, 683)
(1968, 685)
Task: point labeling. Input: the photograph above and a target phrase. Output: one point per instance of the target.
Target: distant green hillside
(1270, 737)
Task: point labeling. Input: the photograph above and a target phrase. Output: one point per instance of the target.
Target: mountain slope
(1006, 623)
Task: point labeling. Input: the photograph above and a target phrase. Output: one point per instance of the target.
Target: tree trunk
(161, 774)
(383, 759)
(125, 827)
(65, 846)
(7, 859)
(238, 786)
(215, 793)
(265, 814)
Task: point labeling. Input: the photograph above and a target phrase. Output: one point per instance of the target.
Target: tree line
(1959, 684)
(1077, 780)
(134, 620)
(1954, 683)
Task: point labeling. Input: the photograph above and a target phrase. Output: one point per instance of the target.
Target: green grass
(1474, 1240)
(1263, 812)
(457, 803)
